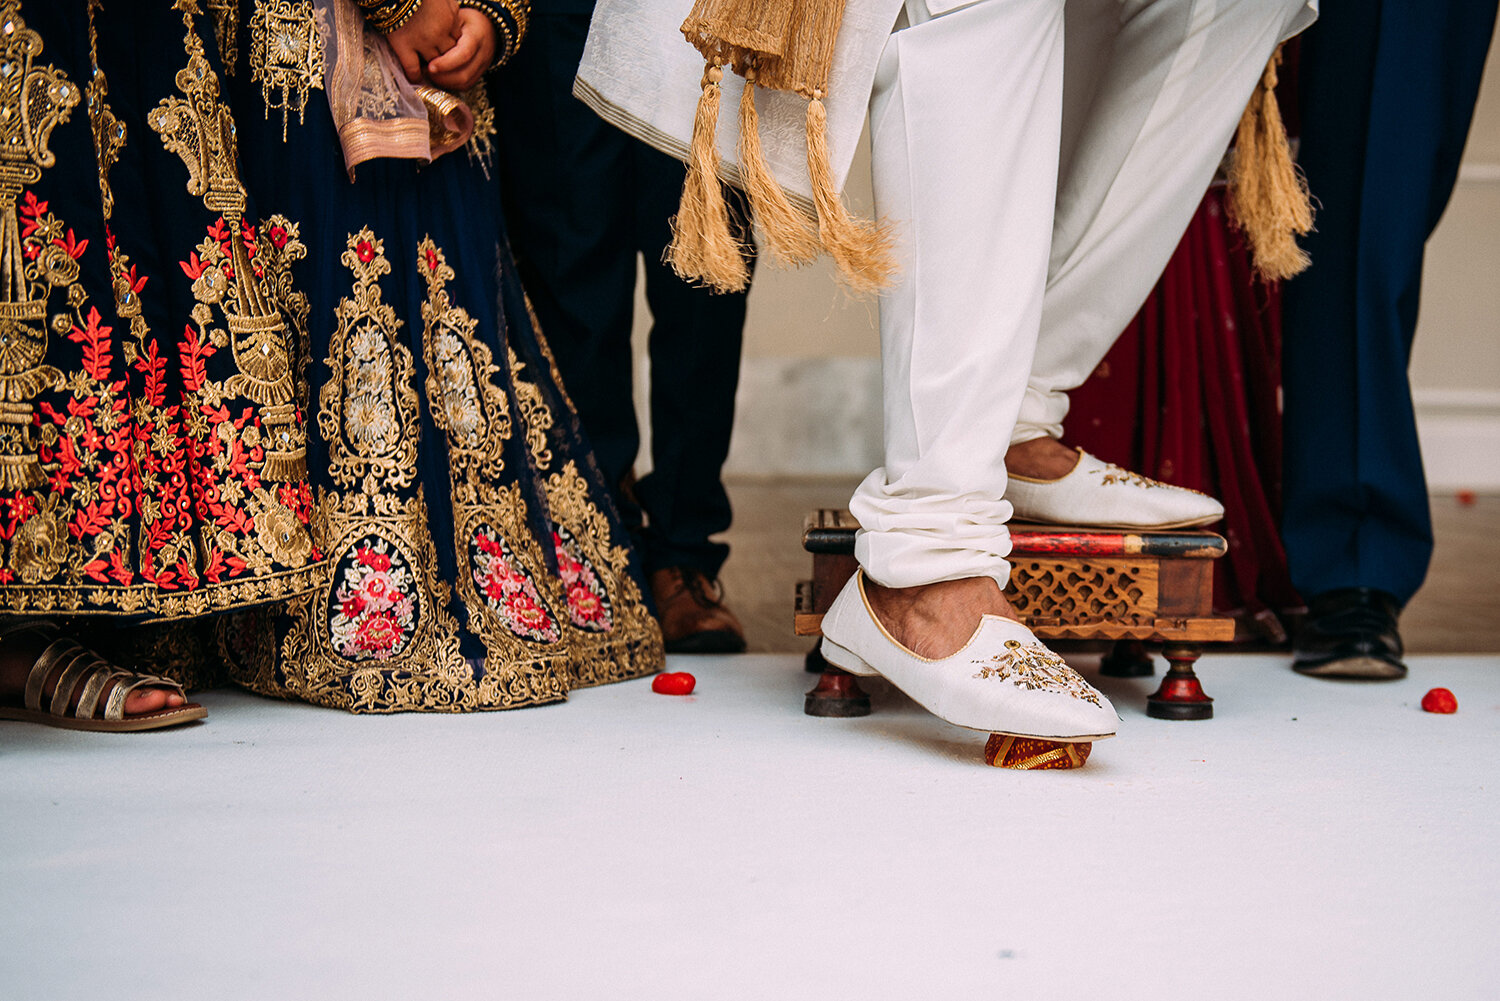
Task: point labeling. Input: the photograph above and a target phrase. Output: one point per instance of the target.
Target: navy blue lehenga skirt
(474, 559)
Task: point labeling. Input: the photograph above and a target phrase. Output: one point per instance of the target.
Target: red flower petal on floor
(673, 683)
(1439, 700)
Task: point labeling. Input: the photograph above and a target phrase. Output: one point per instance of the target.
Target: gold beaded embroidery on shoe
(1035, 668)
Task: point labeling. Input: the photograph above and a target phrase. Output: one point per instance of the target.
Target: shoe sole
(159, 720)
(847, 660)
(1360, 668)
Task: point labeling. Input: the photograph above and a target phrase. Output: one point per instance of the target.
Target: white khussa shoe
(1002, 681)
(1099, 494)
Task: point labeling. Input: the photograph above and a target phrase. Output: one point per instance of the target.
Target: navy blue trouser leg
(1388, 90)
(582, 200)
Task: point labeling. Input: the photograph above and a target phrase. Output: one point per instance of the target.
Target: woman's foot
(85, 675)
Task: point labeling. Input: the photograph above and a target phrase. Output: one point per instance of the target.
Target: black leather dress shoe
(1350, 633)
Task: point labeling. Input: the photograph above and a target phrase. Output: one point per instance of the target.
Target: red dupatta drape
(1190, 394)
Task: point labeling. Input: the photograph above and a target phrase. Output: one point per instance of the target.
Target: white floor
(1315, 840)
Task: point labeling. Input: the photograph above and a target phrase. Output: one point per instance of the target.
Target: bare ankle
(1041, 459)
(935, 621)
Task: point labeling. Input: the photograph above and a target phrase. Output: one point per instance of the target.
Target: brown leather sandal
(82, 667)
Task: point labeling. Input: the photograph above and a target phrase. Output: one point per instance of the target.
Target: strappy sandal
(82, 667)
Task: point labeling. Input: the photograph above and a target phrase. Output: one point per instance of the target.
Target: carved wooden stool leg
(837, 692)
(1127, 659)
(1181, 694)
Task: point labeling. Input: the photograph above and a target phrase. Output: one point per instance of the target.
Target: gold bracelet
(387, 16)
(509, 17)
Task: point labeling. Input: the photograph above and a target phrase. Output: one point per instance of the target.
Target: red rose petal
(1439, 700)
(673, 683)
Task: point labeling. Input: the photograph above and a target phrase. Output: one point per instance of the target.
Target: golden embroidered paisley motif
(367, 411)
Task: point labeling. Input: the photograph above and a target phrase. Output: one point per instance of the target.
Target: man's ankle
(1040, 459)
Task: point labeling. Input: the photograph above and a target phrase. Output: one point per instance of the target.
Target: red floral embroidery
(149, 481)
(588, 605)
(365, 251)
(374, 614)
(508, 590)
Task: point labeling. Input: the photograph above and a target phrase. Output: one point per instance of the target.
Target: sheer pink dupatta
(376, 111)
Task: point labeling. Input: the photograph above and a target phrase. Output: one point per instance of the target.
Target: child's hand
(460, 67)
(433, 30)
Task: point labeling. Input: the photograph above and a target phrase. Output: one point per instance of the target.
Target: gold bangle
(387, 16)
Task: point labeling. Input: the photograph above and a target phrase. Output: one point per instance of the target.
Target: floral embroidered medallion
(373, 609)
(465, 401)
(1036, 669)
(368, 409)
(508, 589)
(588, 604)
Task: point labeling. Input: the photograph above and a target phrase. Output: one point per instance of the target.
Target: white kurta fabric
(1040, 160)
(1115, 116)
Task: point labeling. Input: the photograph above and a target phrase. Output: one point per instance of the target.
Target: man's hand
(433, 30)
(460, 67)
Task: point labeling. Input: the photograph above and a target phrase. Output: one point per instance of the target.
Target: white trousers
(1041, 160)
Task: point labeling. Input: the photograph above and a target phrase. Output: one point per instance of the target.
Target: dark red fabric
(1190, 394)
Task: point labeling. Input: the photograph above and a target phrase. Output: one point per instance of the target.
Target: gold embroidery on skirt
(380, 637)
(481, 144)
(102, 530)
(367, 410)
(199, 128)
(503, 580)
(606, 648)
(534, 410)
(286, 54)
(35, 99)
(226, 15)
(109, 131)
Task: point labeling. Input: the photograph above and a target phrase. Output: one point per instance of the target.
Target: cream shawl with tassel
(639, 73)
(802, 98)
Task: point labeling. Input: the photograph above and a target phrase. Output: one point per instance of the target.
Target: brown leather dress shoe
(692, 613)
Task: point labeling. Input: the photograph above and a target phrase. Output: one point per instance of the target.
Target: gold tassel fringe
(703, 248)
(785, 233)
(1268, 199)
(861, 248)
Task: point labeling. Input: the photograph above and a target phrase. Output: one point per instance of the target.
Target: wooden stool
(1128, 587)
